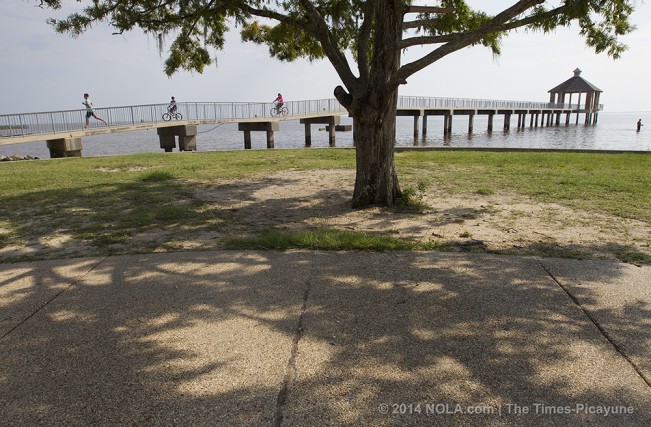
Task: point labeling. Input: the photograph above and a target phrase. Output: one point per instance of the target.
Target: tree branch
(414, 41)
(423, 9)
(532, 19)
(324, 36)
(415, 24)
(363, 42)
(266, 13)
(461, 40)
(429, 9)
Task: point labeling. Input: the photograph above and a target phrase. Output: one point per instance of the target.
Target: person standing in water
(639, 125)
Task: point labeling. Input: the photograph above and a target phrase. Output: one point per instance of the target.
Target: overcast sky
(45, 71)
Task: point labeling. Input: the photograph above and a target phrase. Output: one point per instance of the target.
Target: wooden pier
(543, 117)
(63, 130)
(182, 135)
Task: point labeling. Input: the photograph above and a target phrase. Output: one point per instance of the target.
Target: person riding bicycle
(172, 107)
(279, 102)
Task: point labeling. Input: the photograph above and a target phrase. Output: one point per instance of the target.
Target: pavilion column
(588, 108)
(596, 106)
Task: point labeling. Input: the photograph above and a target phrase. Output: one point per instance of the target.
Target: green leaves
(188, 54)
(341, 29)
(463, 20)
(285, 42)
(601, 22)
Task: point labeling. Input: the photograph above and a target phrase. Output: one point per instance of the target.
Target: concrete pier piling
(187, 137)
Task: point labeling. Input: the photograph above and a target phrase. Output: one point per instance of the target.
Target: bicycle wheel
(167, 117)
(179, 116)
(285, 111)
(273, 112)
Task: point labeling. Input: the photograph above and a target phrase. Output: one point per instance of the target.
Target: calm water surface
(614, 131)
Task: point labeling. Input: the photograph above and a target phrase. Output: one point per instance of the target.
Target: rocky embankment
(16, 158)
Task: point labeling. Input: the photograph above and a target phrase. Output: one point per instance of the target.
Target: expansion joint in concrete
(594, 321)
(52, 298)
(290, 370)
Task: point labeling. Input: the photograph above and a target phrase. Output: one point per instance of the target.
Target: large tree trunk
(375, 128)
(374, 111)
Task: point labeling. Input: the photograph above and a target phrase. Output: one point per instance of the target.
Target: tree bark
(374, 111)
(376, 182)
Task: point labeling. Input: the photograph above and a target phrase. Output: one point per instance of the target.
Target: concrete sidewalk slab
(422, 339)
(183, 339)
(617, 297)
(317, 338)
(27, 286)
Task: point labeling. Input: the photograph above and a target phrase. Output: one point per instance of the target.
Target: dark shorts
(89, 114)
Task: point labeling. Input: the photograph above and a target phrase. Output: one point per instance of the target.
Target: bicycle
(172, 114)
(282, 111)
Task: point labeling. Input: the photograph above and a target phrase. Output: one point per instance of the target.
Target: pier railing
(418, 102)
(152, 114)
(56, 122)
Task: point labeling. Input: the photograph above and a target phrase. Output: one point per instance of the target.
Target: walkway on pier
(63, 130)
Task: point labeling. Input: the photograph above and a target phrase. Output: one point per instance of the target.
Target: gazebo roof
(576, 84)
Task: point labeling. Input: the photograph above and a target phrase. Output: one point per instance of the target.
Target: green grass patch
(327, 239)
(483, 191)
(106, 200)
(172, 213)
(5, 239)
(157, 176)
(615, 184)
(104, 238)
(411, 199)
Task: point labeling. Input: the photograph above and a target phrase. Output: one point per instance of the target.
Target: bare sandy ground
(298, 200)
(504, 223)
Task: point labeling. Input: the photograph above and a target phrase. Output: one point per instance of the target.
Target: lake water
(614, 131)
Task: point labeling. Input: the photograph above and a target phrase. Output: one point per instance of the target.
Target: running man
(90, 112)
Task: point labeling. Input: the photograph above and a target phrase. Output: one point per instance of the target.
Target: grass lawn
(99, 205)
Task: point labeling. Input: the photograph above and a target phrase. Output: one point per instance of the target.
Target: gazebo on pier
(579, 85)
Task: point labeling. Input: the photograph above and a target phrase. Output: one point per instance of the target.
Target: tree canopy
(330, 28)
(362, 39)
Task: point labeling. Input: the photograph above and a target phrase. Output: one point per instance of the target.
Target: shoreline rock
(14, 158)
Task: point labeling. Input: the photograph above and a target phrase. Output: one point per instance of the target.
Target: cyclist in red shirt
(279, 102)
